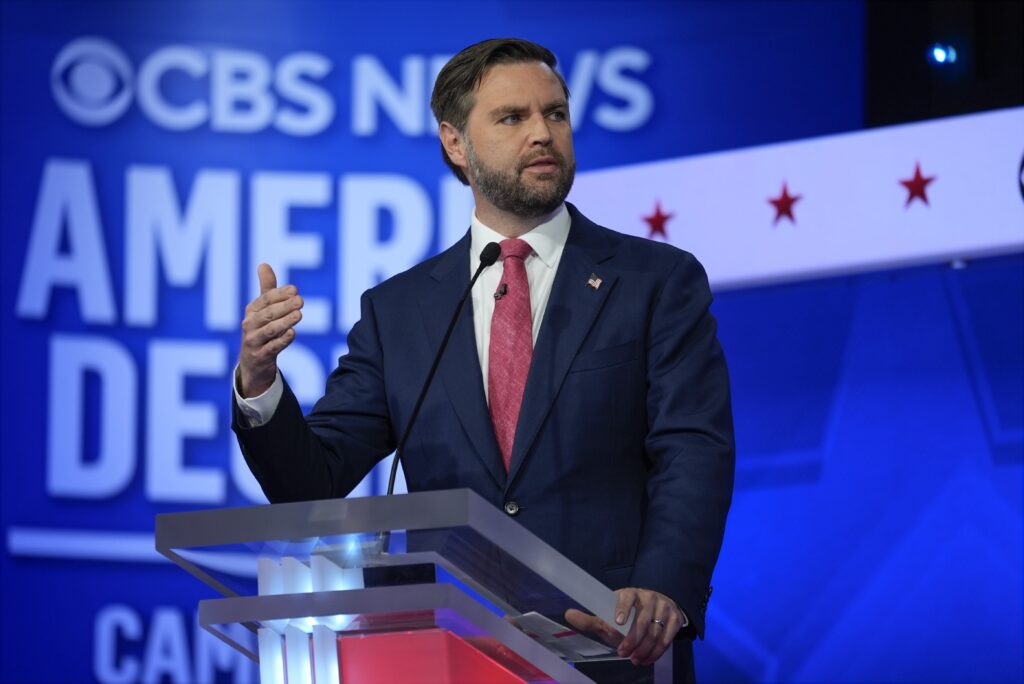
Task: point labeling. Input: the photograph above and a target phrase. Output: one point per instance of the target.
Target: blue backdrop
(152, 153)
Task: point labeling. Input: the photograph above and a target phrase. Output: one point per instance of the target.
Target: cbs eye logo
(91, 81)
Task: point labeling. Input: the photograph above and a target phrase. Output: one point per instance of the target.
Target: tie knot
(519, 249)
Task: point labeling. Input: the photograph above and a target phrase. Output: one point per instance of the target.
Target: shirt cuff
(259, 410)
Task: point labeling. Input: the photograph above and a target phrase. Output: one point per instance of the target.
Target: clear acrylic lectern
(416, 587)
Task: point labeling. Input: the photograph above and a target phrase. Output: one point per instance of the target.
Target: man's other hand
(658, 620)
(268, 327)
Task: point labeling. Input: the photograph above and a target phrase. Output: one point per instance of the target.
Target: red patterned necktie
(511, 346)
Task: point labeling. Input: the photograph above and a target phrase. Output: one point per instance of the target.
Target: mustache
(553, 154)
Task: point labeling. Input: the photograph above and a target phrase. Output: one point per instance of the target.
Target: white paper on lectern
(565, 641)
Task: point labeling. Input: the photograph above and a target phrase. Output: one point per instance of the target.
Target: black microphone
(488, 256)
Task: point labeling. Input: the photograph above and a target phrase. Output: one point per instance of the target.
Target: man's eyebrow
(508, 109)
(505, 110)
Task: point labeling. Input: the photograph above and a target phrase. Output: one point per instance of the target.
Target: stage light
(942, 54)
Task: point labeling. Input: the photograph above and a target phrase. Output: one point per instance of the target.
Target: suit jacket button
(512, 508)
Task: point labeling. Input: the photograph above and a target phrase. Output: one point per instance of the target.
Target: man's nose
(540, 131)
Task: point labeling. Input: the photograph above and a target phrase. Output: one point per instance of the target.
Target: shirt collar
(547, 239)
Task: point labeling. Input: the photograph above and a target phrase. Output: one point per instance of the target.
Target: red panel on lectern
(430, 656)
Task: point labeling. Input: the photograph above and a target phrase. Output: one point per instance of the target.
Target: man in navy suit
(584, 391)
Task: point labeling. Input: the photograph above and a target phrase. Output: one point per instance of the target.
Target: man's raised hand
(268, 327)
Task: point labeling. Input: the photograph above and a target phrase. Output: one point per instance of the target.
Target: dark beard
(508, 192)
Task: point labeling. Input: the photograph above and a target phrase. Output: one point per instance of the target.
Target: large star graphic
(784, 205)
(657, 221)
(916, 186)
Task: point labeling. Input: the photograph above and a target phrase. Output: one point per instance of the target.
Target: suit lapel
(572, 309)
(459, 370)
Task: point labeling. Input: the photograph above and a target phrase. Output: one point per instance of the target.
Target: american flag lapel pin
(593, 281)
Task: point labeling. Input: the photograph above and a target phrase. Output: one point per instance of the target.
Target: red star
(916, 186)
(784, 205)
(657, 221)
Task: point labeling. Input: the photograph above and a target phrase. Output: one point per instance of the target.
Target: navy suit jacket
(623, 457)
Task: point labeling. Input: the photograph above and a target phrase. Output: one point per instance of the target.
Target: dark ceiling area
(903, 80)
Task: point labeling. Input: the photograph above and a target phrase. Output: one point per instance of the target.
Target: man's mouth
(542, 165)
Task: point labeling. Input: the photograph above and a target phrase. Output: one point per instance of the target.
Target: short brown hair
(452, 98)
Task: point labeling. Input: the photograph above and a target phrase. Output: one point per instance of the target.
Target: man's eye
(511, 118)
(558, 115)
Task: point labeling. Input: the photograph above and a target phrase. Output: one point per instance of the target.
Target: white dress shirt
(548, 242)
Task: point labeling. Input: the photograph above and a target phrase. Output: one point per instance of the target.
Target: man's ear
(454, 144)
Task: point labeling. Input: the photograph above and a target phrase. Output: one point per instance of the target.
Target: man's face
(519, 140)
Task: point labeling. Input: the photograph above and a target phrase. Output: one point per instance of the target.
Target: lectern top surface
(452, 535)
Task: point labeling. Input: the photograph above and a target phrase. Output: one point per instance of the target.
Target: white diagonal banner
(852, 214)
